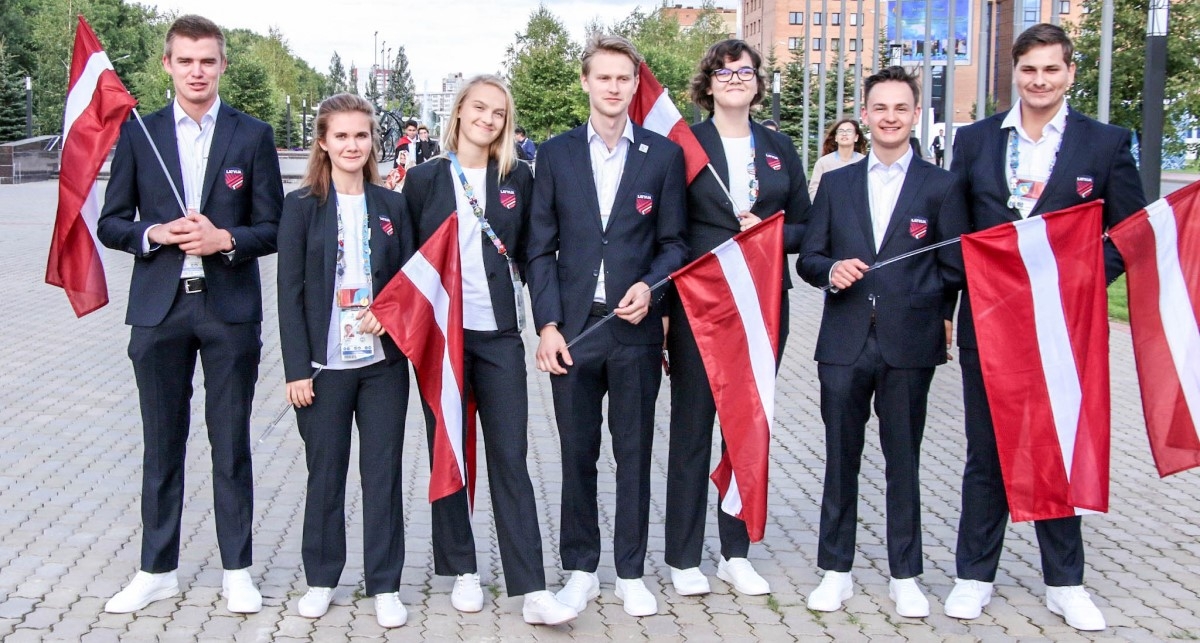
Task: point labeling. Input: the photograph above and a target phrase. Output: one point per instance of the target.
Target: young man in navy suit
(883, 331)
(1062, 158)
(607, 223)
(195, 289)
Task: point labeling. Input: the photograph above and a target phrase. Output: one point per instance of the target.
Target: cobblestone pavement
(70, 452)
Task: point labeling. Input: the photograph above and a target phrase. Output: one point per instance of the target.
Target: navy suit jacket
(1089, 150)
(711, 220)
(566, 241)
(429, 190)
(913, 296)
(242, 193)
(308, 260)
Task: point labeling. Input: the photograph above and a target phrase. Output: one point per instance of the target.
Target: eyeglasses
(745, 74)
(845, 132)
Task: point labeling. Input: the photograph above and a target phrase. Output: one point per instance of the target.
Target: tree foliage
(12, 99)
(336, 80)
(791, 98)
(1129, 66)
(401, 89)
(543, 73)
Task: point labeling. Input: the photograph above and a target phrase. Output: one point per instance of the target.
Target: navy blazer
(1089, 150)
(308, 261)
(711, 219)
(907, 301)
(242, 193)
(429, 190)
(566, 242)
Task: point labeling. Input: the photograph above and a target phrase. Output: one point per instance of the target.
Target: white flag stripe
(91, 214)
(1175, 305)
(1054, 342)
(429, 283)
(81, 93)
(762, 356)
(663, 116)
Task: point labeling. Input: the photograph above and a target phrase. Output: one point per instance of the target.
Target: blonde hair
(317, 177)
(504, 149)
(613, 44)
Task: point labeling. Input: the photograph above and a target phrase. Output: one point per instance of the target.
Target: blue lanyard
(341, 241)
(470, 194)
(753, 172)
(1014, 161)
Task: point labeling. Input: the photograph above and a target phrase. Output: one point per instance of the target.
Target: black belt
(193, 285)
(599, 309)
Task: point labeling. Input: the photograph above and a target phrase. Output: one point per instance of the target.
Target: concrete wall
(26, 160)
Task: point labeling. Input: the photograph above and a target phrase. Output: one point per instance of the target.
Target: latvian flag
(732, 298)
(1041, 318)
(421, 308)
(653, 109)
(1161, 248)
(97, 103)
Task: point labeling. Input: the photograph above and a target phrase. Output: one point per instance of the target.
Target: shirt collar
(210, 115)
(627, 133)
(902, 163)
(1013, 118)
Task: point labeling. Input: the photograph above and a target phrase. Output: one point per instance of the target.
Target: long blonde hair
(504, 149)
(318, 175)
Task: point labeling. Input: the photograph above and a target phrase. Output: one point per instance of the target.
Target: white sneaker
(467, 596)
(580, 588)
(316, 602)
(541, 608)
(143, 589)
(835, 588)
(389, 611)
(241, 596)
(739, 573)
(638, 600)
(1075, 605)
(968, 598)
(910, 600)
(689, 582)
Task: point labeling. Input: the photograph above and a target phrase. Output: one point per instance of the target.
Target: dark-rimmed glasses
(745, 74)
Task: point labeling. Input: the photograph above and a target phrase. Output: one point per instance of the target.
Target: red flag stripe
(653, 109)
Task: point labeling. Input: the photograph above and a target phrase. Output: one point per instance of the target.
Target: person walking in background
(527, 147)
(844, 144)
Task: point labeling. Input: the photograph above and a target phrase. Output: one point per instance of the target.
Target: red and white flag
(96, 105)
(732, 298)
(421, 308)
(1161, 248)
(653, 109)
(1041, 318)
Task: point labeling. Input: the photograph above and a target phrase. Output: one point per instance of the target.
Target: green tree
(401, 89)
(247, 86)
(372, 91)
(543, 73)
(337, 76)
(1129, 65)
(12, 99)
(353, 88)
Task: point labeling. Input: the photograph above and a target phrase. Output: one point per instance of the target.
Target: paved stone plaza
(70, 454)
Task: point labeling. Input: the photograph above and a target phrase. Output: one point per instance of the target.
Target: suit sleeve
(951, 224)
(541, 247)
(814, 262)
(293, 329)
(414, 202)
(259, 237)
(796, 213)
(117, 228)
(1123, 195)
(671, 219)
(524, 187)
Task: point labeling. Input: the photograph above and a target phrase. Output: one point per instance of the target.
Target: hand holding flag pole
(911, 253)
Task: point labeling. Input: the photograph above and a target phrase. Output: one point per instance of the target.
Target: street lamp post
(775, 98)
(289, 121)
(28, 107)
(304, 122)
(1153, 94)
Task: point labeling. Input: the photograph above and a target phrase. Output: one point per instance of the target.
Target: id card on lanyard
(353, 293)
(513, 274)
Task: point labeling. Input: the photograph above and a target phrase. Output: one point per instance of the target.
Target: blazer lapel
(226, 125)
(710, 139)
(634, 158)
(913, 180)
(861, 205)
(327, 222)
(379, 245)
(1061, 177)
(163, 131)
(999, 154)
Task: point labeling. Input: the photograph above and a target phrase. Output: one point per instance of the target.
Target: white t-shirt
(739, 157)
(477, 297)
(352, 208)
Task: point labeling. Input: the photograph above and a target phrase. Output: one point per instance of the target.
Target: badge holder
(355, 344)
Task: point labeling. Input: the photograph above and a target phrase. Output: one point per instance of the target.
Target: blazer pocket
(924, 300)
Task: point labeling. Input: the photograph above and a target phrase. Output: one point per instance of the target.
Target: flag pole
(612, 314)
(724, 189)
(911, 253)
(162, 164)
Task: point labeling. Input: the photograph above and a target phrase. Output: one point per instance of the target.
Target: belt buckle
(196, 282)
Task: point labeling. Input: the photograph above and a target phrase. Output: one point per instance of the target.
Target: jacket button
(595, 273)
(604, 241)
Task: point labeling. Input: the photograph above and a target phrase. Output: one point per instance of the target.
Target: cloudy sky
(440, 36)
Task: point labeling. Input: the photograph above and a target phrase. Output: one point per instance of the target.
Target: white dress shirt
(607, 168)
(194, 140)
(1036, 158)
(883, 188)
(477, 297)
(738, 158)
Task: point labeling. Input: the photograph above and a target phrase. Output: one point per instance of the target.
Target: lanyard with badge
(513, 274)
(1024, 193)
(753, 172)
(353, 295)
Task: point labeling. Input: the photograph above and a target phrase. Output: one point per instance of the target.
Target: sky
(440, 36)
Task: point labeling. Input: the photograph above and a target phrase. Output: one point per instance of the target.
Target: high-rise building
(687, 16)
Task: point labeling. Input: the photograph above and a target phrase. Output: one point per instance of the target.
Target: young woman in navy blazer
(342, 235)
(762, 172)
(479, 180)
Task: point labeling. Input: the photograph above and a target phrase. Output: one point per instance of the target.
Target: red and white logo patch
(508, 198)
(644, 203)
(234, 178)
(918, 228)
(774, 163)
(386, 224)
(1083, 186)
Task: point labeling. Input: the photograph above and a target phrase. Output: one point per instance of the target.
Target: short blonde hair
(611, 43)
(504, 149)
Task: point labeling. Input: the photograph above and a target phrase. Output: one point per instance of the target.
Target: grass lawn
(1118, 304)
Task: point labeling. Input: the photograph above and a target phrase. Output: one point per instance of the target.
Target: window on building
(816, 44)
(794, 43)
(854, 20)
(1032, 12)
(853, 44)
(1064, 7)
(835, 18)
(816, 18)
(835, 44)
(796, 18)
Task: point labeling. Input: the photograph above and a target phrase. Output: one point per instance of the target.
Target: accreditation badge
(355, 344)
